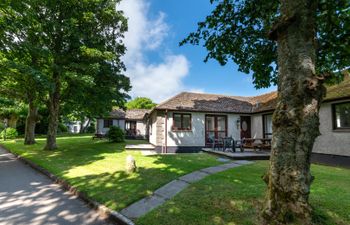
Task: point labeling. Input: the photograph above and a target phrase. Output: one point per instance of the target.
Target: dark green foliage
(140, 103)
(66, 54)
(115, 134)
(10, 133)
(62, 128)
(91, 129)
(238, 31)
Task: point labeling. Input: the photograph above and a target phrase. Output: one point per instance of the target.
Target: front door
(215, 127)
(245, 127)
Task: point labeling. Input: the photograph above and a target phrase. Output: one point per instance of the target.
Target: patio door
(245, 127)
(215, 127)
(130, 127)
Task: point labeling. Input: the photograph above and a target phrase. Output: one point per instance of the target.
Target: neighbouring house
(132, 121)
(187, 121)
(74, 127)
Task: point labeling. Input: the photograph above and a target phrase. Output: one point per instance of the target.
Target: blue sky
(159, 68)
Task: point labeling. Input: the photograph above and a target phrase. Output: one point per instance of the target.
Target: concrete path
(29, 198)
(169, 190)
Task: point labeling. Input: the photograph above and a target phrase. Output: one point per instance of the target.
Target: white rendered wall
(330, 141)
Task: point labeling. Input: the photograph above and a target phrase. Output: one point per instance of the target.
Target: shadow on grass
(97, 168)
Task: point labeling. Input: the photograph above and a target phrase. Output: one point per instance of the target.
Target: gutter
(166, 131)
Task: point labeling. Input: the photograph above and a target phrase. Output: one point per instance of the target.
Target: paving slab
(214, 169)
(231, 165)
(193, 177)
(244, 162)
(142, 207)
(171, 189)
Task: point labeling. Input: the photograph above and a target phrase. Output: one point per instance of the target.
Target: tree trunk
(54, 102)
(295, 120)
(86, 126)
(29, 136)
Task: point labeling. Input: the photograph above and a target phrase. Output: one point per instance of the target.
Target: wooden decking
(247, 154)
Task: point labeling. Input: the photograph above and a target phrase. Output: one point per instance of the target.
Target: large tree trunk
(295, 120)
(54, 102)
(29, 135)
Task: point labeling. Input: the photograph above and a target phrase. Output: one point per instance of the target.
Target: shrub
(115, 134)
(10, 133)
(62, 128)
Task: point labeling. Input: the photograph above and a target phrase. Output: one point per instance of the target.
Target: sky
(159, 68)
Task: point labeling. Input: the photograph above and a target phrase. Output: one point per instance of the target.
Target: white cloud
(157, 81)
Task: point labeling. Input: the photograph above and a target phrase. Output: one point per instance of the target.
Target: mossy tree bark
(295, 120)
(31, 120)
(53, 105)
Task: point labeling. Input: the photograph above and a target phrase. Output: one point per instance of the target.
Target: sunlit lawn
(98, 168)
(235, 196)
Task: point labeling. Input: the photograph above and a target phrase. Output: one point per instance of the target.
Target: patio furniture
(215, 143)
(263, 144)
(248, 142)
(257, 143)
(99, 136)
(229, 142)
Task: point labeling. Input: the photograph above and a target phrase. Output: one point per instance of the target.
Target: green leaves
(140, 103)
(237, 31)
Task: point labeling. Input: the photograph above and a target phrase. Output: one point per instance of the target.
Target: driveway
(28, 197)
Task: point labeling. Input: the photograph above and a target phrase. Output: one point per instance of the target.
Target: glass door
(215, 128)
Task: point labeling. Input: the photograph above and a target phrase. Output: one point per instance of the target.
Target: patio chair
(233, 144)
(238, 144)
(214, 143)
(227, 143)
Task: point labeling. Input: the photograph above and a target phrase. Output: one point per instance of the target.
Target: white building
(133, 122)
(188, 122)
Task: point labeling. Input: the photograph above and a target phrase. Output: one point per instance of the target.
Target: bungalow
(187, 121)
(132, 121)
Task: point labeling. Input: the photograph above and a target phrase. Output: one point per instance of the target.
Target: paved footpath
(169, 190)
(30, 198)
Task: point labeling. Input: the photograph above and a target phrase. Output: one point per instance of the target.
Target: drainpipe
(166, 131)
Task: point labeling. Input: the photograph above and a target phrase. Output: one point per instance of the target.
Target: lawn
(235, 196)
(97, 167)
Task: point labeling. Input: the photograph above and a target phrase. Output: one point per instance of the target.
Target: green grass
(97, 167)
(235, 197)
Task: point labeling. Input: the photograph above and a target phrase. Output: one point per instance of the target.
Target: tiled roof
(136, 114)
(117, 114)
(197, 102)
(341, 90)
(187, 101)
(131, 114)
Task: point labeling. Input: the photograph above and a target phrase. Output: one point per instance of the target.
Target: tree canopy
(70, 50)
(240, 31)
(140, 103)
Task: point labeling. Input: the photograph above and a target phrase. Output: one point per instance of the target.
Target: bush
(10, 133)
(62, 128)
(115, 134)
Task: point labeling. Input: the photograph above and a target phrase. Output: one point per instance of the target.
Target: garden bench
(99, 136)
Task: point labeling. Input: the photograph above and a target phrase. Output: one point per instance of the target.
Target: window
(341, 116)
(267, 126)
(182, 121)
(107, 123)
